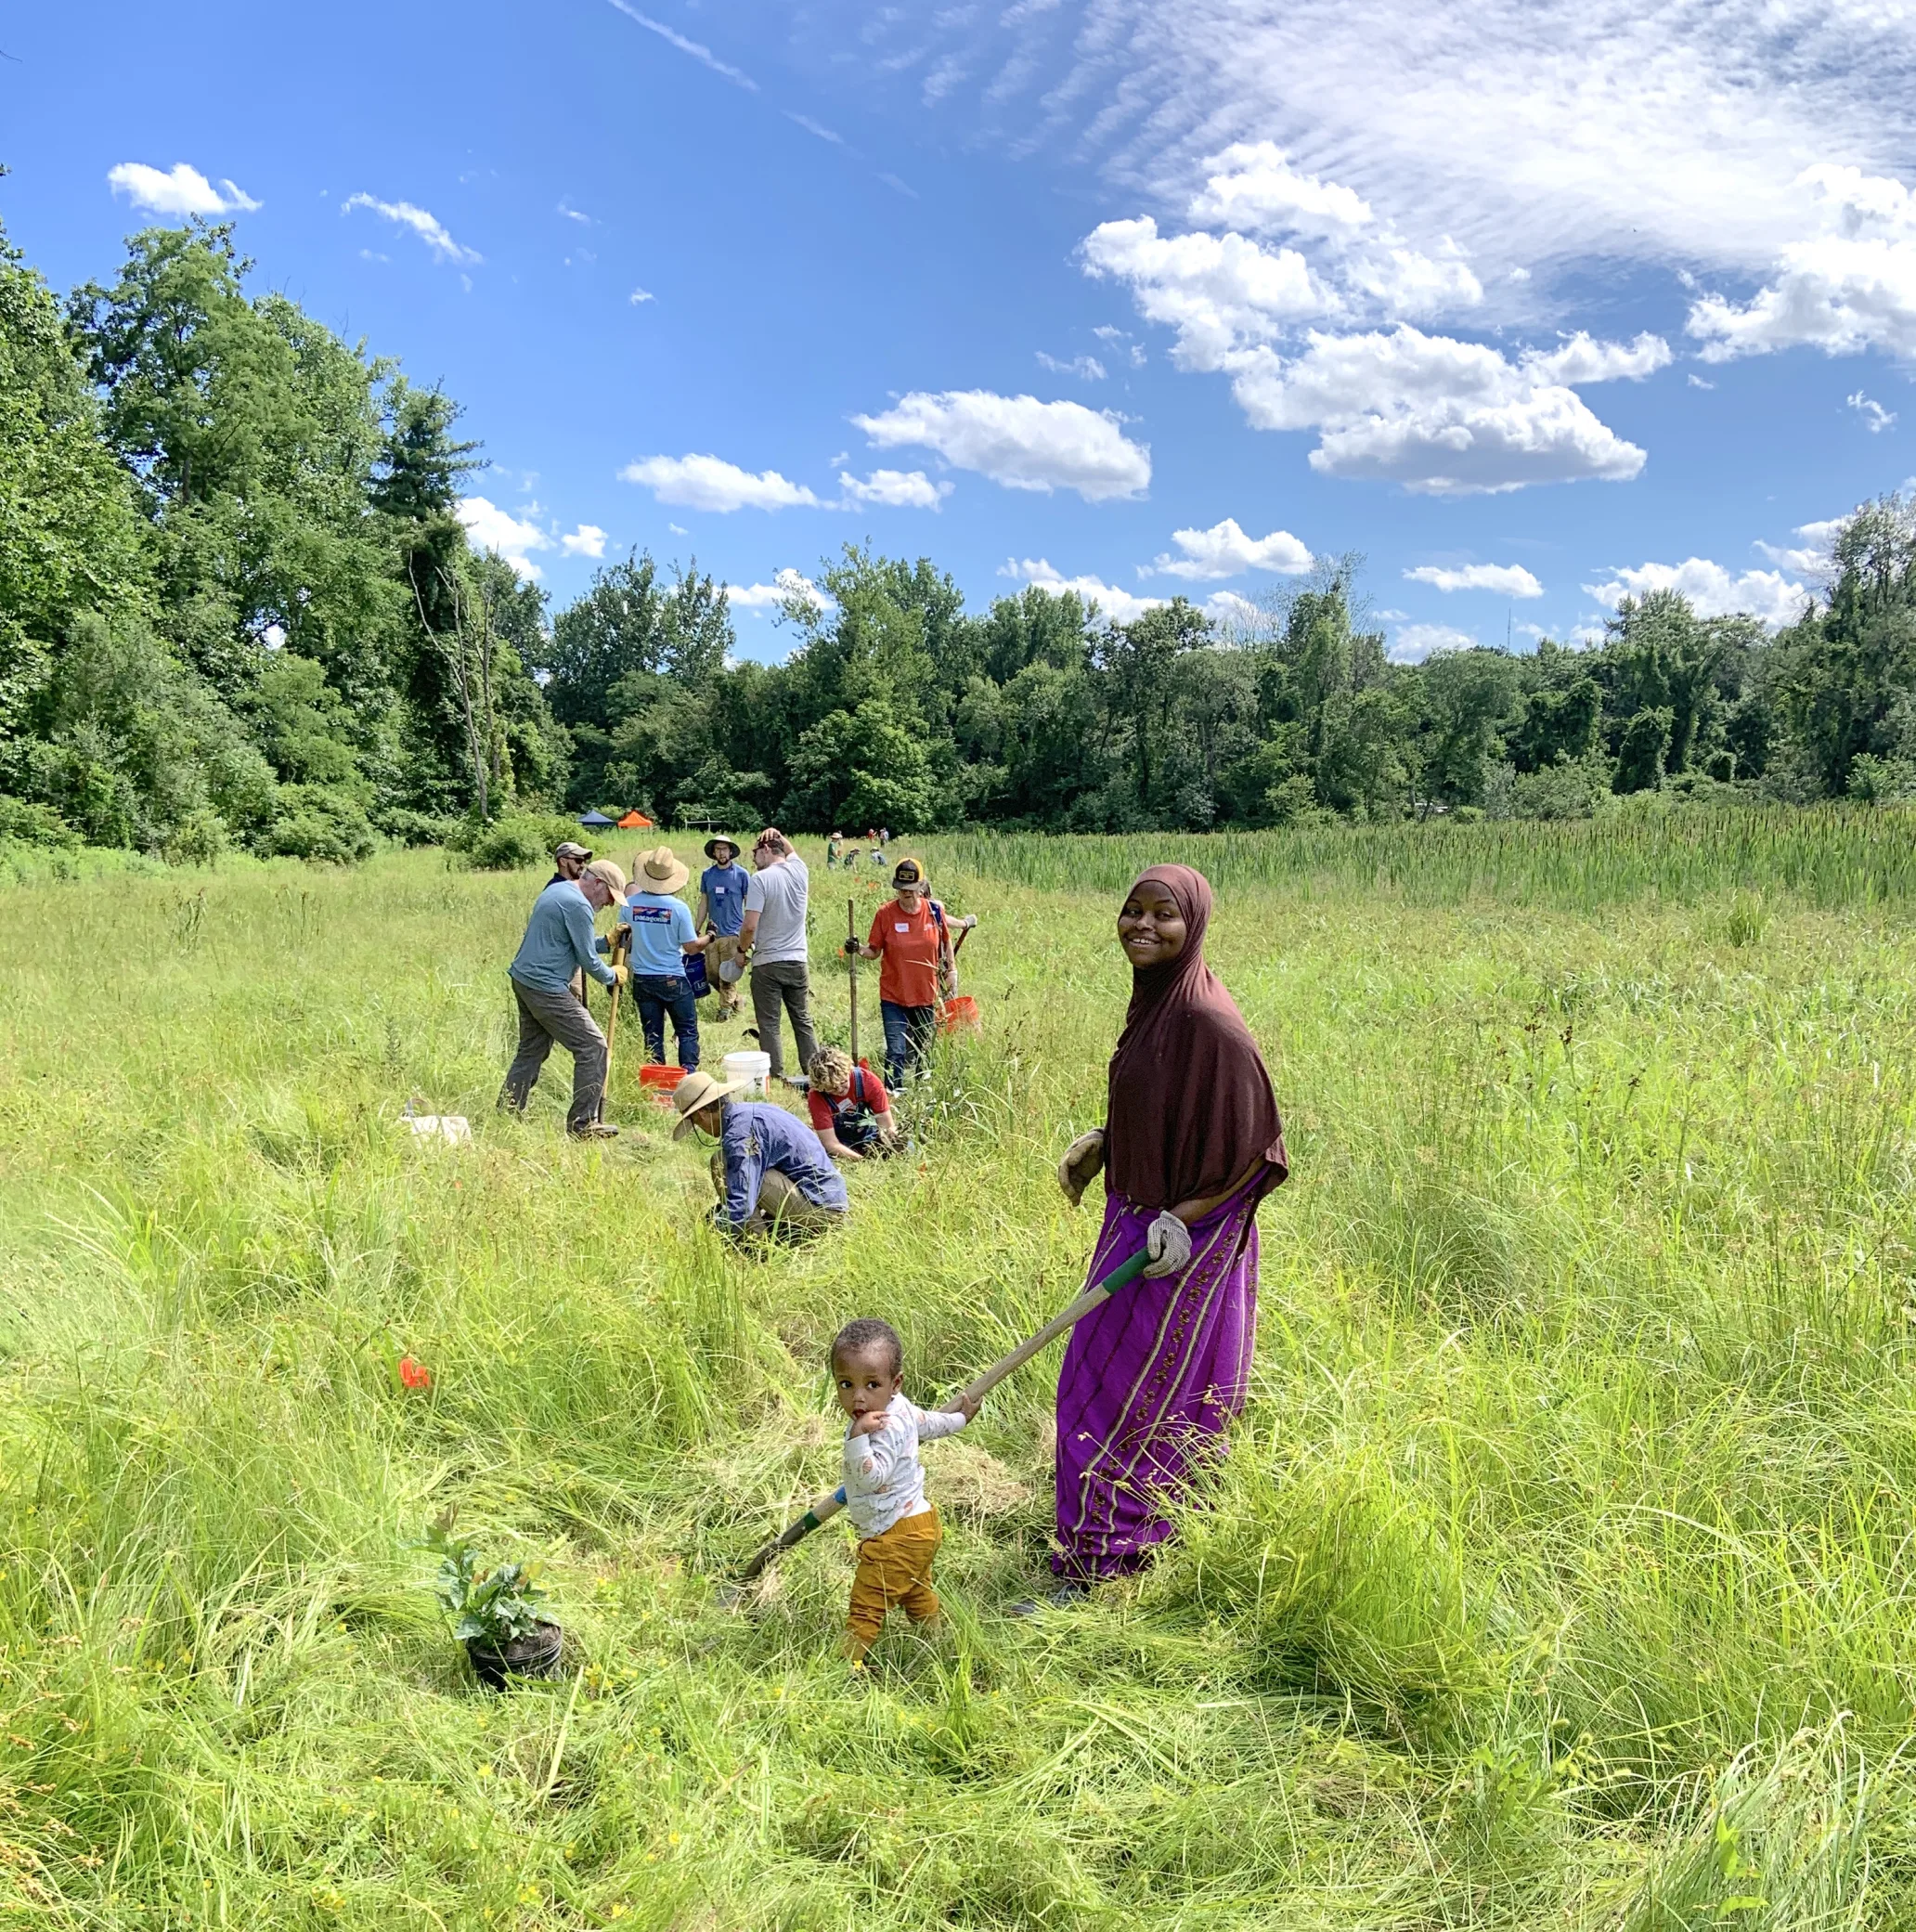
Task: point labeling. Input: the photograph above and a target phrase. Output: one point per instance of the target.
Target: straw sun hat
(658, 869)
(697, 1089)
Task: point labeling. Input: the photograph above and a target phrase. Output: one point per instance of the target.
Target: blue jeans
(658, 997)
(909, 1031)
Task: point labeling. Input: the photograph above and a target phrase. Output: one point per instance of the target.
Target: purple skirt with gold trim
(1150, 1381)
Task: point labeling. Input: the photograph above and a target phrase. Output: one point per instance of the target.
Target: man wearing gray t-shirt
(772, 940)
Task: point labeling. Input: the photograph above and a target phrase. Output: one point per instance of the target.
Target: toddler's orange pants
(893, 1568)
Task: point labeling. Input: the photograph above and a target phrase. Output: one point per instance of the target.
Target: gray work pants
(783, 986)
(544, 1018)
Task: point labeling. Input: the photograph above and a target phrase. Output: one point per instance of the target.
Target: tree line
(238, 606)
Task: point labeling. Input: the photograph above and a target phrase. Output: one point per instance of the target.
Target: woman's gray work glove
(1168, 1242)
(1084, 1159)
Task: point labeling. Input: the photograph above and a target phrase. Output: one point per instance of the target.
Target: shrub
(518, 840)
(415, 828)
(198, 839)
(319, 822)
(34, 825)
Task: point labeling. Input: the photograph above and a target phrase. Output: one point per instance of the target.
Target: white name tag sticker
(903, 926)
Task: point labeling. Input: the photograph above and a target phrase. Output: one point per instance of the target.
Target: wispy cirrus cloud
(426, 225)
(696, 49)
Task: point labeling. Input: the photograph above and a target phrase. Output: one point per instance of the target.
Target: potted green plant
(496, 1612)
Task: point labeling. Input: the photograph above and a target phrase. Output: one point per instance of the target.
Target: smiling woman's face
(1151, 928)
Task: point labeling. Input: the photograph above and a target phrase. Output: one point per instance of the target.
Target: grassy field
(1561, 1574)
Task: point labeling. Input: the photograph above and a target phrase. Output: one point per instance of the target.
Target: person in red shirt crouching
(912, 937)
(850, 1111)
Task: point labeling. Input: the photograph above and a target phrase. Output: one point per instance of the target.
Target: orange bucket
(960, 1014)
(660, 1080)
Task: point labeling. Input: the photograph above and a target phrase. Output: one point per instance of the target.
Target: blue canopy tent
(596, 821)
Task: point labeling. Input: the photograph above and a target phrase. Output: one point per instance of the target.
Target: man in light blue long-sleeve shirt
(559, 943)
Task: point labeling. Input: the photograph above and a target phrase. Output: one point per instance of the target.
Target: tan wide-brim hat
(608, 875)
(698, 1090)
(731, 845)
(658, 869)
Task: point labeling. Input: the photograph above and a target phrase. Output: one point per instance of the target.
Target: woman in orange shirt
(911, 938)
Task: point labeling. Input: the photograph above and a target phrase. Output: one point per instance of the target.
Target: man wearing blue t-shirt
(661, 934)
(722, 911)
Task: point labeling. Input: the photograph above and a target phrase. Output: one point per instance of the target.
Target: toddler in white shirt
(898, 1532)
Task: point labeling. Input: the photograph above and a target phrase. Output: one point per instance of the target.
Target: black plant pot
(533, 1655)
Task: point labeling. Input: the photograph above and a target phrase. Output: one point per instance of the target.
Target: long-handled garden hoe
(618, 953)
(851, 968)
(829, 1505)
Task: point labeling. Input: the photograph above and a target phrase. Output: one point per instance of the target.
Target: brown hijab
(1191, 1107)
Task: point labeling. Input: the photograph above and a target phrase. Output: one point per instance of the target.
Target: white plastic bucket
(754, 1068)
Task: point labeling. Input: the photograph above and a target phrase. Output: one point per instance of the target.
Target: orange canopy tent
(632, 820)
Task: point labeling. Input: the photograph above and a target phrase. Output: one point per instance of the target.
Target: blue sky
(1531, 304)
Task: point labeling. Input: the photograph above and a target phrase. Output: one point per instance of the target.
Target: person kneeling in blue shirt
(772, 1172)
(662, 935)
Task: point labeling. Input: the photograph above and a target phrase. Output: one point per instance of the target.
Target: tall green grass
(1561, 1573)
(1828, 856)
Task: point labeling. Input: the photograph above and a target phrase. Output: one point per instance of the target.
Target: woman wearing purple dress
(1192, 1142)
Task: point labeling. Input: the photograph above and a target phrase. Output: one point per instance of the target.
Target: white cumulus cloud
(785, 585)
(1848, 284)
(1505, 579)
(1414, 642)
(1253, 185)
(1225, 550)
(1440, 416)
(1019, 441)
(588, 540)
(1400, 405)
(710, 483)
(1122, 606)
(1713, 590)
(492, 528)
(182, 190)
(895, 489)
(1217, 292)
(1811, 557)
(427, 226)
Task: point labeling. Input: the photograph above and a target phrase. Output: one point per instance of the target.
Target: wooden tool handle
(829, 1505)
(1067, 1317)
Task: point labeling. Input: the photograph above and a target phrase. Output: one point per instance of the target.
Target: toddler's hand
(965, 1406)
(870, 1423)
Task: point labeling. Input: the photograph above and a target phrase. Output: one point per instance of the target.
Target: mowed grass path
(1561, 1573)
